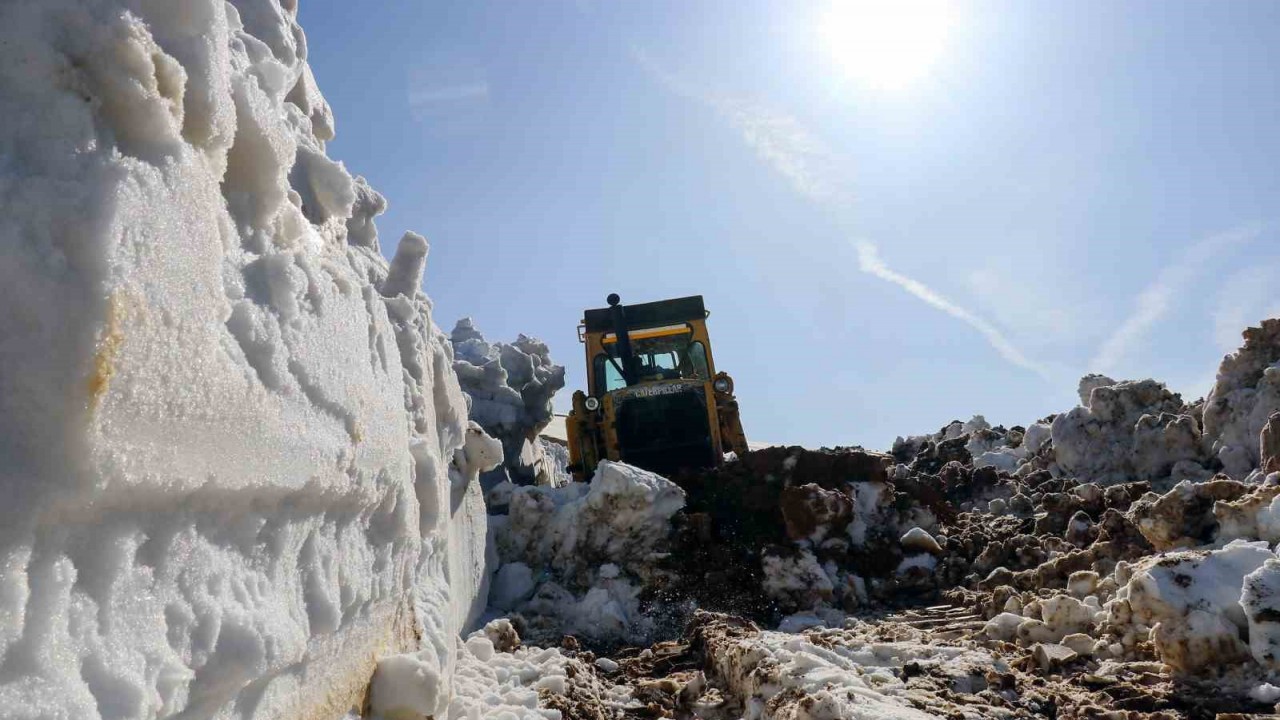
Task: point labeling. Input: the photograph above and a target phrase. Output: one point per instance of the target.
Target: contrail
(1156, 298)
(869, 262)
(800, 157)
(779, 139)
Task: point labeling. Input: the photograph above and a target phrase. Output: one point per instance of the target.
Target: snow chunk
(917, 540)
(1125, 430)
(480, 647)
(502, 634)
(509, 389)
(1186, 515)
(621, 517)
(1261, 601)
(1065, 615)
(410, 686)
(1191, 602)
(1255, 516)
(1087, 384)
(405, 275)
(1265, 693)
(511, 586)
(796, 580)
(1003, 626)
(1245, 394)
(589, 546)
(1006, 459)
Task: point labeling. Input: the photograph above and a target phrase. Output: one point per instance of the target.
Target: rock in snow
(236, 463)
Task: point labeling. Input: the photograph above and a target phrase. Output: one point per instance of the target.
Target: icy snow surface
(236, 462)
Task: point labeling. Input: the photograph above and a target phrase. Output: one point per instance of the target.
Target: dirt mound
(756, 532)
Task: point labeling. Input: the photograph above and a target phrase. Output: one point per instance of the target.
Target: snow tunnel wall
(229, 439)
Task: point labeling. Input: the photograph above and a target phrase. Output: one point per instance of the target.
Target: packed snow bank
(574, 558)
(1191, 603)
(1126, 431)
(236, 464)
(509, 388)
(1244, 396)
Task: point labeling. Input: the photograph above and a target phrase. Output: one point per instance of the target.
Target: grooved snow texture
(231, 442)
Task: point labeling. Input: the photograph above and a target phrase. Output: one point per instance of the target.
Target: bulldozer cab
(654, 398)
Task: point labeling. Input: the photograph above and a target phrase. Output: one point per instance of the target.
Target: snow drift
(235, 457)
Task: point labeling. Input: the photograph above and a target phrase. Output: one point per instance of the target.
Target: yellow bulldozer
(654, 398)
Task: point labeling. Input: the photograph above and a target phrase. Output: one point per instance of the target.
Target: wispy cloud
(448, 88)
(786, 146)
(439, 101)
(1155, 300)
(777, 138)
(869, 262)
(452, 93)
(1245, 298)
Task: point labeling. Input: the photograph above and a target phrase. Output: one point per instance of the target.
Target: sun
(887, 44)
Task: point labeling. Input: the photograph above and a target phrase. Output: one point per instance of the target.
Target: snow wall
(234, 455)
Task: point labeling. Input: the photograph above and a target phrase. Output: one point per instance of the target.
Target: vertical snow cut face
(234, 454)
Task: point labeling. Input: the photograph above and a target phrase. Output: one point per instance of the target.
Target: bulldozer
(654, 398)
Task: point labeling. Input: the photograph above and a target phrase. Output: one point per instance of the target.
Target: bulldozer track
(945, 621)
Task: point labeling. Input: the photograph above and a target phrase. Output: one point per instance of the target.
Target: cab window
(667, 357)
(698, 358)
(608, 377)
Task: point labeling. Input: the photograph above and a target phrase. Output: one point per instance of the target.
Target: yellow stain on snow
(104, 356)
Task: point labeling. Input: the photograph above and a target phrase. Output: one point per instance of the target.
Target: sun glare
(887, 44)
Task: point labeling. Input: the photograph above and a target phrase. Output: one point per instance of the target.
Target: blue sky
(1068, 187)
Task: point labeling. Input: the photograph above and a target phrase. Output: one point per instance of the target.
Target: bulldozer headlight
(723, 384)
(592, 404)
